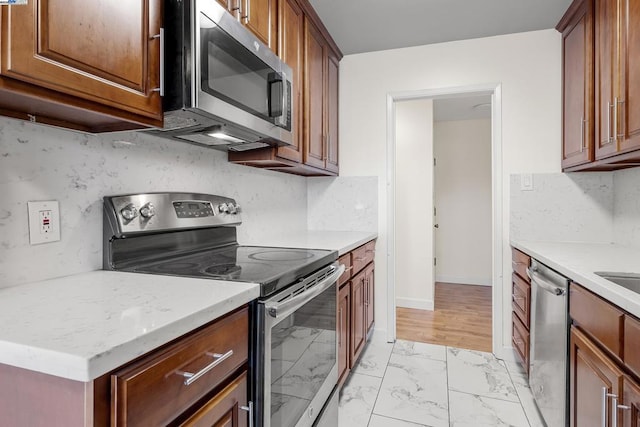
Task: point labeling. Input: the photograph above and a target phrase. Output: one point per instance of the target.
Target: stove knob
(237, 208)
(223, 208)
(232, 209)
(147, 211)
(129, 212)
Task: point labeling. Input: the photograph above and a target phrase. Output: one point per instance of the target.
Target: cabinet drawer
(596, 317)
(346, 260)
(152, 391)
(520, 262)
(520, 340)
(521, 299)
(363, 256)
(632, 344)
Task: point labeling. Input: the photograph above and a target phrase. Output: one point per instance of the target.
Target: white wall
(463, 201)
(43, 163)
(527, 65)
(414, 202)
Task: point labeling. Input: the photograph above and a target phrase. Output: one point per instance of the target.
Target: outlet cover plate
(44, 222)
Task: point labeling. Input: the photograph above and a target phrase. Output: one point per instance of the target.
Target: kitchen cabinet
(306, 46)
(225, 408)
(594, 379)
(521, 306)
(355, 306)
(610, 136)
(604, 382)
(368, 296)
(87, 66)
(344, 313)
(577, 97)
(259, 16)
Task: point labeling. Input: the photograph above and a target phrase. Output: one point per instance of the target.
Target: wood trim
(311, 13)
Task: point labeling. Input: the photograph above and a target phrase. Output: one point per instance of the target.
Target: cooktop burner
(273, 268)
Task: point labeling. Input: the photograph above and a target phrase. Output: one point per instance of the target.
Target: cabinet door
(630, 411)
(369, 296)
(358, 332)
(344, 310)
(577, 68)
(102, 51)
(593, 376)
(606, 54)
(314, 76)
(291, 50)
(224, 409)
(628, 113)
(332, 114)
(259, 16)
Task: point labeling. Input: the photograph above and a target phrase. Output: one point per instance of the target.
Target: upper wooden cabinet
(614, 127)
(305, 45)
(259, 16)
(91, 66)
(577, 74)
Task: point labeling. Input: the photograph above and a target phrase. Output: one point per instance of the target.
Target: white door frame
(497, 189)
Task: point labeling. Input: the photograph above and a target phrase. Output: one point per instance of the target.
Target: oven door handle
(283, 309)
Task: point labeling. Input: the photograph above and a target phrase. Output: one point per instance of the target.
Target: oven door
(299, 362)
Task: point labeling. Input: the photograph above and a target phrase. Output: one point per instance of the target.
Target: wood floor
(462, 318)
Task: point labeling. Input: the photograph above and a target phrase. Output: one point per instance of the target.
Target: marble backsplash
(343, 203)
(598, 207)
(43, 163)
(626, 207)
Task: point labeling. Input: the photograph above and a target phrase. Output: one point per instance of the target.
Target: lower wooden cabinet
(229, 408)
(593, 380)
(344, 312)
(604, 386)
(521, 306)
(355, 312)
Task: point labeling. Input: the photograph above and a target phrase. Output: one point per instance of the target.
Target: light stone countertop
(82, 326)
(580, 261)
(341, 241)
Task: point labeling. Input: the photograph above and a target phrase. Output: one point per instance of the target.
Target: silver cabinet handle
(609, 139)
(615, 119)
(161, 38)
(190, 377)
(619, 101)
(249, 409)
(605, 393)
(582, 121)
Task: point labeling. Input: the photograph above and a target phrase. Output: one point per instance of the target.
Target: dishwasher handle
(544, 284)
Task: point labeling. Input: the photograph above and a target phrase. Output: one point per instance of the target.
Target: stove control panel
(155, 212)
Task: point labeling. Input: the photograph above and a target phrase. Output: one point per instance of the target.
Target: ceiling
(360, 26)
(462, 108)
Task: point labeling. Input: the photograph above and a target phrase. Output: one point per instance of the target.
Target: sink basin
(629, 281)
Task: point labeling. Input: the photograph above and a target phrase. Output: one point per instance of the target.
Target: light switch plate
(44, 222)
(526, 182)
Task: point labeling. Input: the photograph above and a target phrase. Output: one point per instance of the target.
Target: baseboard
(464, 280)
(417, 303)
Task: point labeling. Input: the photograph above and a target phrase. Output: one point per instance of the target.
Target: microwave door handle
(283, 309)
(276, 93)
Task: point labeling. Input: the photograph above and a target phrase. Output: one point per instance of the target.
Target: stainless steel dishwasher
(549, 336)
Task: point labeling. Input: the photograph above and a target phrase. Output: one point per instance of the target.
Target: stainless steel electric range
(293, 342)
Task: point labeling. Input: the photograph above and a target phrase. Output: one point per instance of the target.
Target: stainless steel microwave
(222, 86)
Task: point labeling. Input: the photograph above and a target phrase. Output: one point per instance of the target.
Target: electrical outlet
(44, 222)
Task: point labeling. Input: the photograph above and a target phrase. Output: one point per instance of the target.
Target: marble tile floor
(411, 384)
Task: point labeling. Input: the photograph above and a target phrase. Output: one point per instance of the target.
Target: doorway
(425, 261)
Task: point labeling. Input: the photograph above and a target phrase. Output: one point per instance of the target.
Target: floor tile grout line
(526, 414)
(446, 361)
(373, 407)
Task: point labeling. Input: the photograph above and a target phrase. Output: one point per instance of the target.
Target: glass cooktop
(272, 268)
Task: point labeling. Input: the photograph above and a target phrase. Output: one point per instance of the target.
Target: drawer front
(152, 391)
(520, 340)
(520, 262)
(346, 260)
(521, 299)
(632, 344)
(363, 256)
(601, 320)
